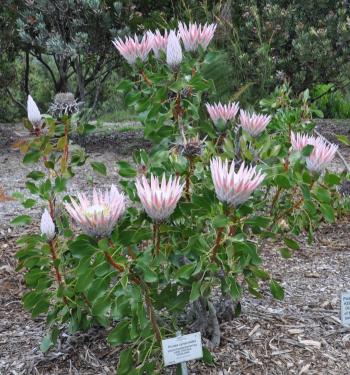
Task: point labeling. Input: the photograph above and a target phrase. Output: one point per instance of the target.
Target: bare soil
(300, 335)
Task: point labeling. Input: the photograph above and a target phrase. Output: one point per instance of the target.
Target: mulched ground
(300, 335)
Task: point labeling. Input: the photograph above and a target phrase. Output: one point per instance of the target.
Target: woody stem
(148, 301)
(52, 245)
(151, 313)
(217, 243)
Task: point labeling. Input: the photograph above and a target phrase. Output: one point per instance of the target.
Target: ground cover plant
(178, 242)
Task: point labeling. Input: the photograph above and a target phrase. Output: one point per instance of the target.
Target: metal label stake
(183, 364)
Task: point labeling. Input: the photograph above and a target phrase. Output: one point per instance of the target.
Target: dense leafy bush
(180, 253)
(262, 44)
(332, 102)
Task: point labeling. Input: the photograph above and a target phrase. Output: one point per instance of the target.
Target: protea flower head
(225, 112)
(231, 187)
(195, 35)
(322, 153)
(192, 147)
(300, 141)
(97, 217)
(47, 226)
(33, 113)
(64, 103)
(133, 48)
(253, 123)
(159, 199)
(159, 41)
(173, 51)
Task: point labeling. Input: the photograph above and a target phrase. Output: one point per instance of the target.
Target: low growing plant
(180, 241)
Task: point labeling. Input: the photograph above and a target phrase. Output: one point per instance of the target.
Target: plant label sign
(182, 348)
(345, 308)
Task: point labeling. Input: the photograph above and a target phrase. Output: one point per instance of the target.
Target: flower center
(96, 209)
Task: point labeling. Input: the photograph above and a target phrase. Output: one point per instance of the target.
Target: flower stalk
(52, 245)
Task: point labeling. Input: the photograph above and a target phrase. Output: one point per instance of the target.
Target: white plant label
(182, 348)
(345, 308)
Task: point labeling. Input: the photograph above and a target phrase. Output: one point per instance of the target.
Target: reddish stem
(217, 243)
(188, 178)
(52, 245)
(148, 301)
(147, 80)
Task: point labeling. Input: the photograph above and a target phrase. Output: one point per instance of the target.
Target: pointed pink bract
(159, 198)
(322, 154)
(232, 187)
(253, 123)
(225, 112)
(133, 48)
(195, 35)
(97, 216)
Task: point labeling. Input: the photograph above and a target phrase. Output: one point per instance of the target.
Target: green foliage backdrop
(266, 43)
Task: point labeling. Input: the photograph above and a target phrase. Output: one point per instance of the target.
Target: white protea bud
(173, 51)
(34, 115)
(47, 226)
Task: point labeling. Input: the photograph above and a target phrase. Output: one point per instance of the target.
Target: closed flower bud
(173, 51)
(34, 115)
(47, 226)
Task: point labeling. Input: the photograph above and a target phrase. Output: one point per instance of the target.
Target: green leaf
(126, 170)
(149, 275)
(125, 86)
(276, 290)
(195, 291)
(82, 247)
(306, 151)
(31, 157)
(327, 212)
(343, 139)
(322, 195)
(220, 221)
(22, 220)
(125, 364)
(60, 184)
(184, 272)
(120, 334)
(101, 306)
(282, 181)
(99, 167)
(291, 244)
(36, 175)
(332, 179)
(285, 253)
(198, 83)
(207, 357)
(29, 203)
(84, 281)
(49, 340)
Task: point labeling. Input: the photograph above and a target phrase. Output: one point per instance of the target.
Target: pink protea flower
(159, 41)
(231, 187)
(322, 153)
(33, 113)
(225, 112)
(159, 199)
(47, 226)
(132, 48)
(253, 123)
(173, 51)
(195, 35)
(300, 141)
(97, 217)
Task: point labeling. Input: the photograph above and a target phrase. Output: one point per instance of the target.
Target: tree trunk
(80, 80)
